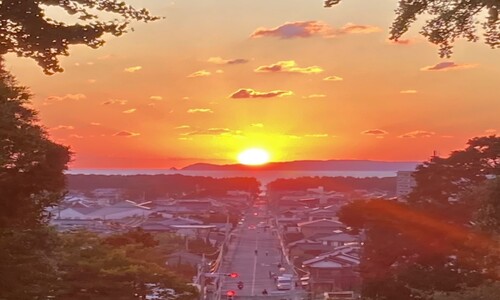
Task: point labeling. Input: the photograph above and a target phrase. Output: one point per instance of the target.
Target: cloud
(126, 133)
(333, 78)
(358, 29)
(221, 61)
(288, 66)
(76, 136)
(214, 131)
(305, 29)
(250, 93)
(317, 135)
(129, 111)
(219, 71)
(408, 92)
(258, 125)
(199, 110)
(91, 81)
(156, 98)
(312, 96)
(132, 69)
(375, 132)
(447, 66)
(68, 97)
(401, 42)
(63, 127)
(182, 127)
(114, 101)
(418, 134)
(490, 131)
(95, 124)
(201, 73)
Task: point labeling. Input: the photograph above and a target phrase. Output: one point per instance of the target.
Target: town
(260, 237)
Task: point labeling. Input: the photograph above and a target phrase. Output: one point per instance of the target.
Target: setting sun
(253, 157)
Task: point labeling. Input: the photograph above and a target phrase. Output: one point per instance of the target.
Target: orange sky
(218, 76)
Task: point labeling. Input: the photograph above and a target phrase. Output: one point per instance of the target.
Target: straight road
(255, 255)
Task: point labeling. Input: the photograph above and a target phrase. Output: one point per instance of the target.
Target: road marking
(254, 265)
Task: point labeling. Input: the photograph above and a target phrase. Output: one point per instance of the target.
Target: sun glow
(253, 157)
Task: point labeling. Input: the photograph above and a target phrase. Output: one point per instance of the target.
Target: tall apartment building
(404, 183)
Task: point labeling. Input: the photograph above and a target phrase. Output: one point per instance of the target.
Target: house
(328, 213)
(337, 238)
(323, 226)
(305, 249)
(120, 210)
(334, 271)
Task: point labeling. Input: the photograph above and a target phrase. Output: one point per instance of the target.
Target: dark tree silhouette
(26, 31)
(31, 166)
(449, 21)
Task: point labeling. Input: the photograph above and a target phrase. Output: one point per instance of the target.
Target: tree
(26, 31)
(90, 268)
(31, 166)
(428, 244)
(489, 291)
(449, 21)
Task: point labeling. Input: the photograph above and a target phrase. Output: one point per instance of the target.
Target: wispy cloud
(418, 134)
(250, 93)
(317, 135)
(199, 110)
(356, 28)
(62, 127)
(333, 78)
(68, 97)
(401, 42)
(201, 73)
(129, 111)
(408, 92)
(114, 101)
(182, 127)
(448, 66)
(258, 125)
(132, 69)
(305, 29)
(76, 136)
(95, 123)
(288, 66)
(124, 133)
(221, 61)
(313, 96)
(157, 98)
(490, 131)
(214, 131)
(375, 132)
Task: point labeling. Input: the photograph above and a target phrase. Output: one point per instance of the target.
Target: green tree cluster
(444, 238)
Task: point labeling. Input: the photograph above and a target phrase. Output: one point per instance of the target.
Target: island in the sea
(312, 165)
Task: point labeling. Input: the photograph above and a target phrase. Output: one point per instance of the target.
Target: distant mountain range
(311, 165)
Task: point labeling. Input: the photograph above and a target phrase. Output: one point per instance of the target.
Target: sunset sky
(216, 77)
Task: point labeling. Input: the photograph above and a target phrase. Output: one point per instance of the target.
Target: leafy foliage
(428, 244)
(449, 21)
(31, 166)
(26, 31)
(489, 291)
(91, 268)
(26, 263)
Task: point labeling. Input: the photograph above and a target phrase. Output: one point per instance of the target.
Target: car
(284, 283)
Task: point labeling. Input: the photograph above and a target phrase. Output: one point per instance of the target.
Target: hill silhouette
(311, 165)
